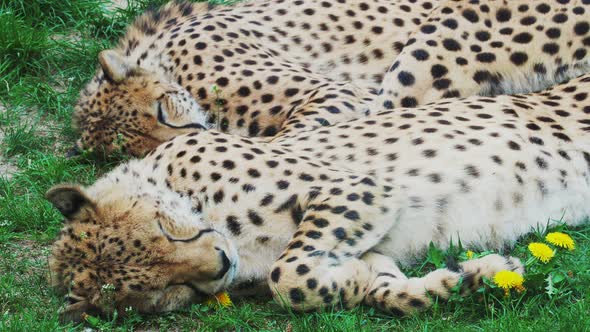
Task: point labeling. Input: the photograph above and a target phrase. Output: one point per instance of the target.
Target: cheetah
(326, 217)
(294, 65)
(311, 62)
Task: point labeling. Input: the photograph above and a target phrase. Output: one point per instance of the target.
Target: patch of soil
(117, 4)
(29, 253)
(7, 169)
(31, 250)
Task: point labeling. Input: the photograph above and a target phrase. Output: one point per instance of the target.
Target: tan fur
(515, 46)
(325, 216)
(113, 253)
(280, 67)
(283, 67)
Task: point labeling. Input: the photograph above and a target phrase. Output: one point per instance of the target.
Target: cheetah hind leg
(399, 295)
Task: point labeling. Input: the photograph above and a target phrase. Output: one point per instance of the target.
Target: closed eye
(162, 120)
(194, 238)
(71, 299)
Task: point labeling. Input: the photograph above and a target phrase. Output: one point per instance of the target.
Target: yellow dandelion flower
(561, 240)
(508, 279)
(541, 251)
(469, 254)
(221, 298)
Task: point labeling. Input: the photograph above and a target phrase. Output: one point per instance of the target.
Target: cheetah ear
(68, 199)
(114, 66)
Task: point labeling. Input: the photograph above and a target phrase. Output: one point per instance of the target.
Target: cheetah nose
(74, 151)
(71, 300)
(226, 264)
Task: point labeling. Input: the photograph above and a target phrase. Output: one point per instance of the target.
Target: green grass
(48, 50)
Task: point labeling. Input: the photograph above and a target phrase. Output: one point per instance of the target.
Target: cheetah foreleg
(321, 266)
(326, 106)
(322, 281)
(397, 294)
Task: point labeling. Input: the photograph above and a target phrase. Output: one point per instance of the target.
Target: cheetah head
(131, 109)
(149, 253)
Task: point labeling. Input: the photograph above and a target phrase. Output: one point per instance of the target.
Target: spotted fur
(325, 216)
(294, 65)
(490, 48)
(280, 65)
